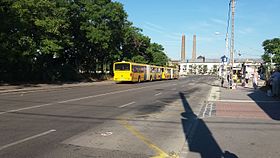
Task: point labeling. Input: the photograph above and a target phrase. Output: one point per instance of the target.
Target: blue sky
(164, 21)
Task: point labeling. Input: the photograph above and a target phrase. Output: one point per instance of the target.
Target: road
(108, 120)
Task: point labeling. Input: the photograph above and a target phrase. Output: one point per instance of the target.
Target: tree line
(62, 40)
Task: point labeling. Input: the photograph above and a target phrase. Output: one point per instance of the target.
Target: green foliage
(139, 59)
(205, 69)
(271, 48)
(156, 55)
(56, 39)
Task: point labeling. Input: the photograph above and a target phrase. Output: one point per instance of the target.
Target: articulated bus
(134, 72)
(128, 71)
(174, 73)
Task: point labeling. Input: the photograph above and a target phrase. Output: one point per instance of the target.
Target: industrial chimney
(183, 51)
(194, 48)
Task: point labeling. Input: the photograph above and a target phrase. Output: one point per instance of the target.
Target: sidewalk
(6, 88)
(247, 103)
(236, 123)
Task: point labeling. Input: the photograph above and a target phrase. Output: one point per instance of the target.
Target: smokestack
(183, 52)
(194, 48)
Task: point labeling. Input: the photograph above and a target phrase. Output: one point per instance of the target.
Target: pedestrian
(255, 79)
(228, 76)
(247, 77)
(222, 82)
(274, 82)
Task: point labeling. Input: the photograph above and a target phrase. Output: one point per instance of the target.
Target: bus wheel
(139, 80)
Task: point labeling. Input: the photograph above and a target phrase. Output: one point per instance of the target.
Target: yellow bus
(166, 73)
(134, 72)
(156, 72)
(174, 73)
(129, 71)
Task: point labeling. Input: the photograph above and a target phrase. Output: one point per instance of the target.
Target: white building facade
(216, 66)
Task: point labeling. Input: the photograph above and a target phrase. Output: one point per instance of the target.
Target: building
(204, 66)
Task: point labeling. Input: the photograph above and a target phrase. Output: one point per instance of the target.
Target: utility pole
(232, 39)
(232, 33)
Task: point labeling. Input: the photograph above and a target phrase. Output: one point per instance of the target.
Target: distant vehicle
(135, 72)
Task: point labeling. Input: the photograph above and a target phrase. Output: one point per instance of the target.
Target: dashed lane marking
(71, 100)
(122, 106)
(26, 139)
(26, 108)
(158, 94)
(82, 98)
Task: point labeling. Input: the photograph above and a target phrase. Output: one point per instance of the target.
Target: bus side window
(141, 69)
(134, 68)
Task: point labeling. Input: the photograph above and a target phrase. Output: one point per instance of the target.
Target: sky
(165, 21)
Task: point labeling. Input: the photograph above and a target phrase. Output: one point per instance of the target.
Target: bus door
(171, 74)
(162, 73)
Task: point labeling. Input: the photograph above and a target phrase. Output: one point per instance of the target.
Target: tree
(35, 30)
(134, 43)
(139, 59)
(200, 69)
(56, 39)
(194, 69)
(156, 55)
(215, 69)
(271, 48)
(205, 69)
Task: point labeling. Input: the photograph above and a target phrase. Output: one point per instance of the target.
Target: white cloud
(205, 39)
(174, 36)
(245, 31)
(154, 27)
(219, 21)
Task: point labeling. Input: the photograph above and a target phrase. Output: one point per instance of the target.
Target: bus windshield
(122, 67)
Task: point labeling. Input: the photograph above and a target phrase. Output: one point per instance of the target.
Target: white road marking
(122, 106)
(248, 101)
(77, 99)
(26, 139)
(214, 94)
(71, 100)
(158, 101)
(26, 108)
(192, 84)
(158, 94)
(203, 115)
(18, 92)
(211, 109)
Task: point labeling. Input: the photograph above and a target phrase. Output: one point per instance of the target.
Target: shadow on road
(270, 105)
(198, 135)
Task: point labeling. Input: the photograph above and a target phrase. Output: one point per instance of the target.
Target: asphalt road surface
(108, 120)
